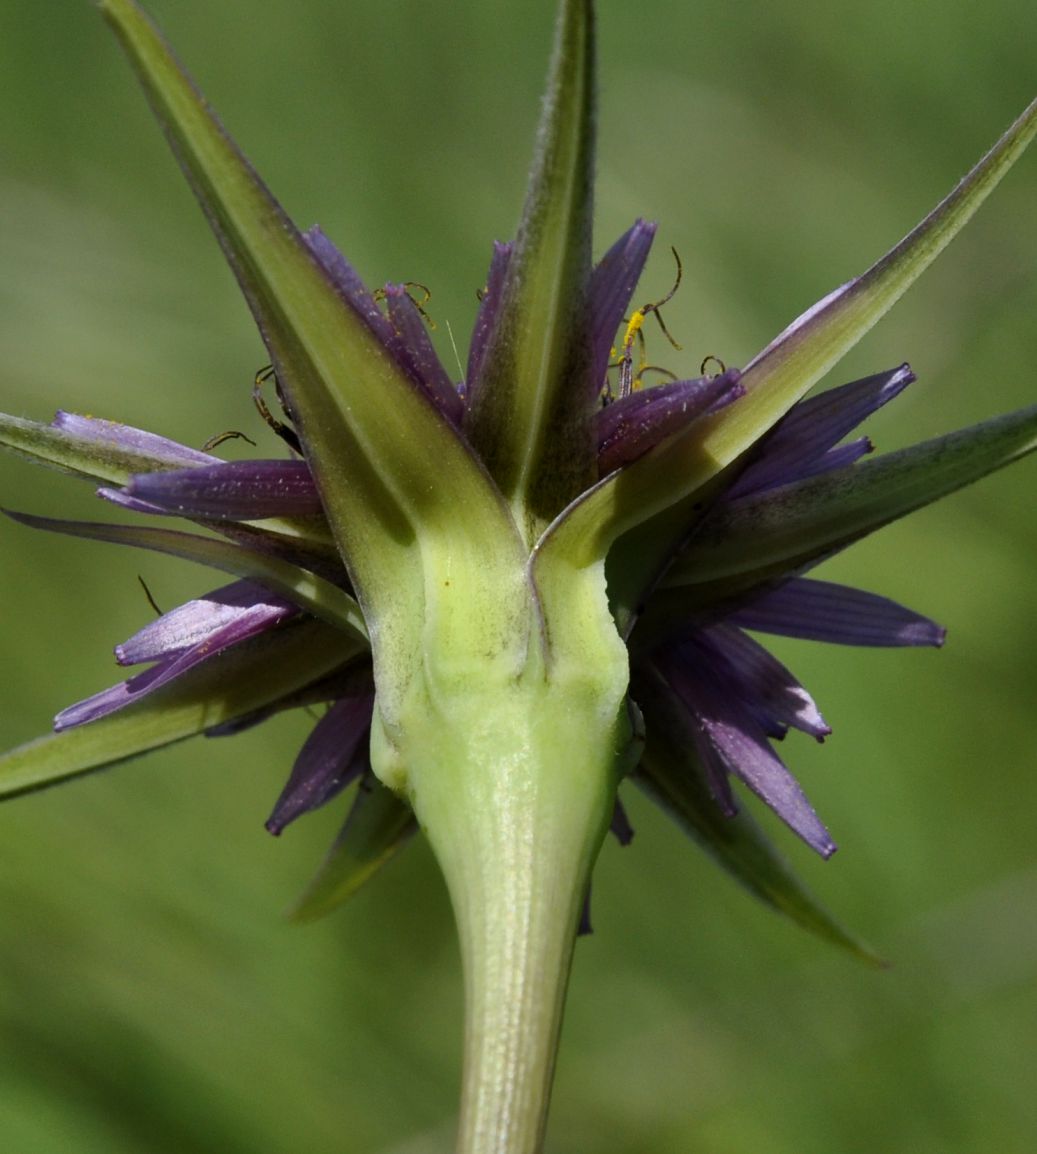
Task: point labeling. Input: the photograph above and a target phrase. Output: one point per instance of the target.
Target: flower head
(512, 590)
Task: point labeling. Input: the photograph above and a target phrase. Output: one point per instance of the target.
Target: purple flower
(736, 696)
(691, 636)
(270, 512)
(509, 592)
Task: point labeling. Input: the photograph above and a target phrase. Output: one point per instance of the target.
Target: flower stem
(516, 804)
(517, 904)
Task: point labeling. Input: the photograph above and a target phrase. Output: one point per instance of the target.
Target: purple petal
(131, 504)
(736, 743)
(243, 604)
(714, 769)
(684, 681)
(107, 701)
(331, 758)
(585, 926)
(746, 753)
(128, 438)
(413, 353)
(347, 282)
(413, 349)
(612, 285)
(486, 318)
(630, 426)
(127, 692)
(620, 826)
(232, 490)
(744, 668)
(813, 427)
(841, 457)
(823, 611)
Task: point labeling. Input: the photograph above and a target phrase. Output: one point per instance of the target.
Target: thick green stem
(516, 800)
(517, 878)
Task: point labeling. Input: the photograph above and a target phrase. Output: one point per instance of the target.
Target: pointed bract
(386, 462)
(529, 419)
(379, 824)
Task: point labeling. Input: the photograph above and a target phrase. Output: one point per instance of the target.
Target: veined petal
(306, 589)
(800, 443)
(331, 757)
(486, 318)
(245, 678)
(612, 285)
(671, 775)
(379, 824)
(632, 425)
(823, 611)
(742, 747)
(414, 351)
(231, 490)
(199, 620)
(241, 628)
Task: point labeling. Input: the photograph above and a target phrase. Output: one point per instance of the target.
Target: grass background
(151, 998)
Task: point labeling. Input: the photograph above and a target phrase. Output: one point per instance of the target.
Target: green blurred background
(152, 999)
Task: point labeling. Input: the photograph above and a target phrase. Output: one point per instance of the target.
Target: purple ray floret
(823, 611)
(738, 697)
(751, 674)
(630, 426)
(347, 282)
(232, 490)
(486, 319)
(612, 285)
(799, 445)
(838, 458)
(730, 740)
(242, 604)
(331, 758)
(239, 628)
(413, 349)
(402, 331)
(620, 826)
(102, 432)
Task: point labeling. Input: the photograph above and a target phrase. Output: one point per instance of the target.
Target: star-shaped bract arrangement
(514, 590)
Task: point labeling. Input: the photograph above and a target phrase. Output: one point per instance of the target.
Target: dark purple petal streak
(838, 614)
(630, 426)
(327, 762)
(232, 490)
